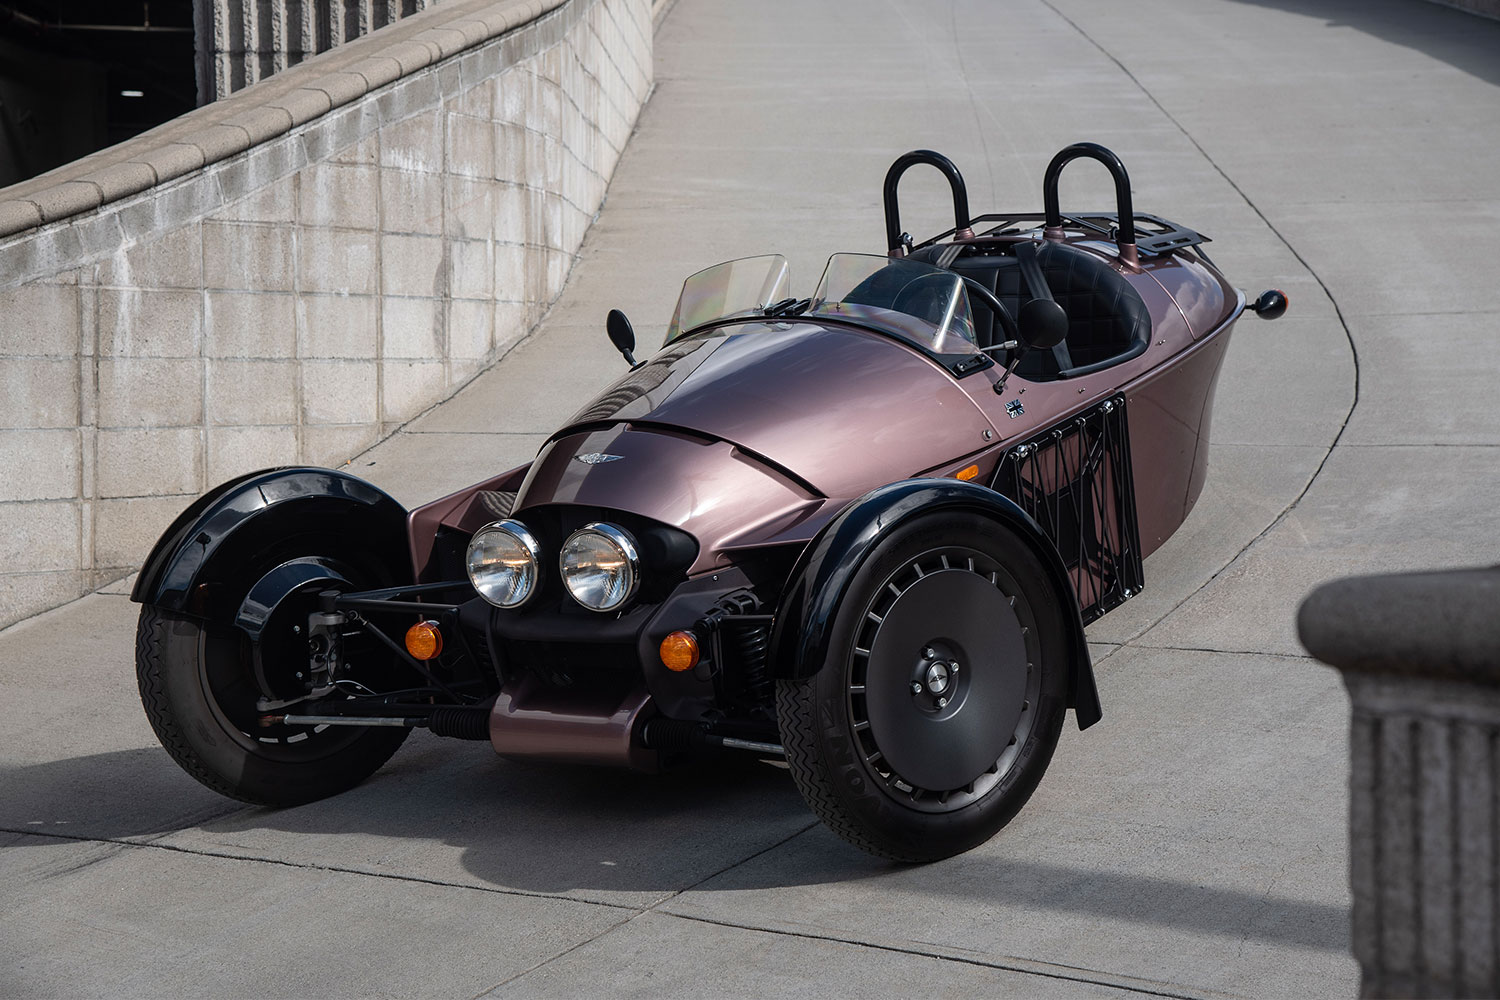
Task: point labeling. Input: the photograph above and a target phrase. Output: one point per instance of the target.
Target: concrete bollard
(1420, 657)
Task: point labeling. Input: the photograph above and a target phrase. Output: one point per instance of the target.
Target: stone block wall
(298, 290)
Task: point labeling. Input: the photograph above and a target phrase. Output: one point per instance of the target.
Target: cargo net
(1075, 482)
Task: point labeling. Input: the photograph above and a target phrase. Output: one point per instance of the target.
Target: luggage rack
(1076, 482)
(1135, 233)
(1154, 235)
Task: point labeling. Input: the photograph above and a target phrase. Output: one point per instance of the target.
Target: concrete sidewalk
(1193, 844)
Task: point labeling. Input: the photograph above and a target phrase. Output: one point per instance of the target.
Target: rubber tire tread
(149, 670)
(797, 699)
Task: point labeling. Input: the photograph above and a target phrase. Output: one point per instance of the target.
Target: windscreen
(917, 301)
(741, 287)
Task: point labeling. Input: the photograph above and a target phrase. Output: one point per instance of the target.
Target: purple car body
(863, 530)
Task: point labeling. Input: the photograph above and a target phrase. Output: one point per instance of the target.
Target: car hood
(842, 409)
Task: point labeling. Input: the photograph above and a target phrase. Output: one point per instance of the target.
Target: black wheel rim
(232, 685)
(936, 738)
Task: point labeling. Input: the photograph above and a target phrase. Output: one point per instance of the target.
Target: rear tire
(897, 752)
(190, 672)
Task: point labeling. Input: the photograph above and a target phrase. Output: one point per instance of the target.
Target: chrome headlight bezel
(624, 547)
(531, 573)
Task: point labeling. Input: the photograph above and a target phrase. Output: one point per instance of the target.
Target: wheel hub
(937, 676)
(946, 679)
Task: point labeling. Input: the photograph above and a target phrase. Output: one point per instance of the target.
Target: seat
(1108, 321)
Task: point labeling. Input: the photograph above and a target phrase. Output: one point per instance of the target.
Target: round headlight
(503, 562)
(600, 566)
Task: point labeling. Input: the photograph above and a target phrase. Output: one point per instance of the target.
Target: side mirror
(621, 334)
(1043, 324)
(1270, 305)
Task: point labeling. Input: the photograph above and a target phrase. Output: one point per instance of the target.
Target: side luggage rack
(1075, 482)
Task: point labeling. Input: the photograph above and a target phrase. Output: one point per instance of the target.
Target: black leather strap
(948, 254)
(1036, 287)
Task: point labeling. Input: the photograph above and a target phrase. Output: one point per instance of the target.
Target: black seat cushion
(1107, 317)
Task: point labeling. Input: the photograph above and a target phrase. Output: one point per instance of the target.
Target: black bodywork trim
(189, 554)
(1135, 350)
(799, 643)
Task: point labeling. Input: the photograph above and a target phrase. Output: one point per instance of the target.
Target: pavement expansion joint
(1424, 445)
(654, 907)
(552, 958)
(1222, 652)
(1338, 312)
(338, 869)
(1023, 966)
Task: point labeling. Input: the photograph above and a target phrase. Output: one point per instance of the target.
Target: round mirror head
(1043, 324)
(621, 333)
(1271, 304)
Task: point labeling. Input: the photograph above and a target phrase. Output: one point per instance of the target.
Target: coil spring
(752, 643)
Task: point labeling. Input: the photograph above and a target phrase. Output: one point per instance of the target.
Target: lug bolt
(916, 687)
(929, 653)
(942, 703)
(953, 667)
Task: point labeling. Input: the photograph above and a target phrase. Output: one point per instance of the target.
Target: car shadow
(1462, 40)
(119, 795)
(442, 811)
(520, 826)
(987, 880)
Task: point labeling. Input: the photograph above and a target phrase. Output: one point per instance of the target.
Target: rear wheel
(943, 695)
(201, 682)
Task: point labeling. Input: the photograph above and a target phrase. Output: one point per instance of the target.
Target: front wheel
(943, 695)
(199, 688)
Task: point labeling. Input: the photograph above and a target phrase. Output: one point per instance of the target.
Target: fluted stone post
(1420, 656)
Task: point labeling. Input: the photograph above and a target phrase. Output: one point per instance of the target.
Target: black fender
(822, 574)
(208, 543)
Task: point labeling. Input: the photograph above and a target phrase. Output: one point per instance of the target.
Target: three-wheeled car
(862, 528)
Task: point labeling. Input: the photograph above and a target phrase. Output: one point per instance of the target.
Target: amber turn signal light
(967, 474)
(424, 641)
(679, 651)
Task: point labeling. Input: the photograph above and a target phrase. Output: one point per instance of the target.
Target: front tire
(943, 695)
(199, 690)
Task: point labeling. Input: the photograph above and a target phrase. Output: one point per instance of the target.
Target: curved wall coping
(263, 111)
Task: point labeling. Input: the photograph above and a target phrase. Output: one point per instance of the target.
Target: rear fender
(821, 577)
(208, 543)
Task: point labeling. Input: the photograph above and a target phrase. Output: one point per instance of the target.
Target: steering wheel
(1002, 314)
(926, 296)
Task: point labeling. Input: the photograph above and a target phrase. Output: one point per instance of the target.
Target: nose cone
(708, 488)
(843, 409)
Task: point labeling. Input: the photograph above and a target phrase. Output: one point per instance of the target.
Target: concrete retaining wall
(287, 275)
